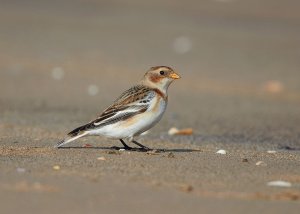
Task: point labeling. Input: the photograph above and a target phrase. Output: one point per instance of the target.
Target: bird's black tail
(73, 135)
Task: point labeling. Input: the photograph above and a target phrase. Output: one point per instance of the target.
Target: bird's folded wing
(135, 100)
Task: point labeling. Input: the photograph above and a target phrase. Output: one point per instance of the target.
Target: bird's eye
(162, 72)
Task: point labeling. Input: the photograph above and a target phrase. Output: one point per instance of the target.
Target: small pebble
(87, 145)
(186, 188)
(260, 163)
(221, 151)
(21, 170)
(171, 155)
(175, 131)
(153, 152)
(121, 150)
(271, 152)
(279, 183)
(56, 167)
(101, 158)
(113, 152)
(172, 131)
(245, 160)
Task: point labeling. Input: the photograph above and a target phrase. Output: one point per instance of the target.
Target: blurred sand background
(62, 62)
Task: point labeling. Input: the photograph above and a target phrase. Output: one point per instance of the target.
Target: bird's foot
(120, 148)
(144, 149)
(128, 148)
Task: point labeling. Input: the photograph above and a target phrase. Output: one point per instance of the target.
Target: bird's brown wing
(135, 100)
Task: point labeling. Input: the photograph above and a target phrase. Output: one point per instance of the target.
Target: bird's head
(160, 77)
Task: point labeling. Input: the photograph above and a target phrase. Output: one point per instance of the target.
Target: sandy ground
(63, 62)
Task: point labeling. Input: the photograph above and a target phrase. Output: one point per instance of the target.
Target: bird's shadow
(135, 149)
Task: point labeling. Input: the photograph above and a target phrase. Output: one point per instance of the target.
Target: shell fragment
(279, 183)
(222, 152)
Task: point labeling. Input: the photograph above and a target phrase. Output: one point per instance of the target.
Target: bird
(134, 112)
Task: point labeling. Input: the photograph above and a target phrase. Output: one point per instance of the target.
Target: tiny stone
(171, 155)
(245, 160)
(260, 163)
(279, 183)
(271, 151)
(56, 167)
(222, 152)
(21, 170)
(101, 158)
(175, 131)
(153, 152)
(172, 131)
(113, 152)
(186, 188)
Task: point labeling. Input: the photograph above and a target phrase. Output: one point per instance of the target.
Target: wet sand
(62, 63)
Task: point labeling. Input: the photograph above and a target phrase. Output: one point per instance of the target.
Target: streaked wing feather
(132, 102)
(132, 95)
(121, 116)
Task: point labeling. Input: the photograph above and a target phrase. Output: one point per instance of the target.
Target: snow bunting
(137, 110)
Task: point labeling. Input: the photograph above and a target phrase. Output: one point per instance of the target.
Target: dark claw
(144, 149)
(142, 146)
(128, 148)
(131, 149)
(115, 148)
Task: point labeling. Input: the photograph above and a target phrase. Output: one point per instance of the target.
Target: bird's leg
(126, 147)
(141, 145)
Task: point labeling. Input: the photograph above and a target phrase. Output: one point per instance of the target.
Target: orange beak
(174, 76)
